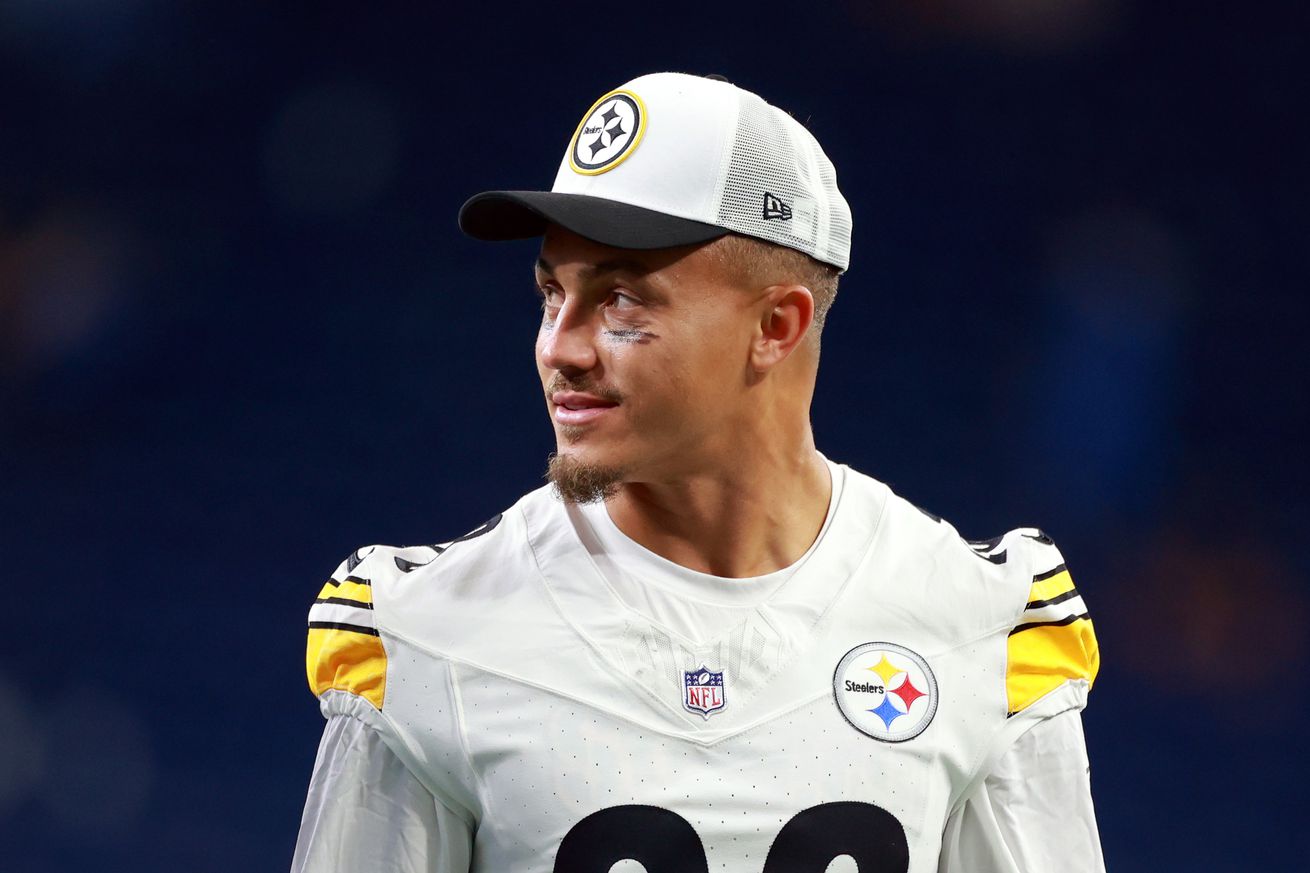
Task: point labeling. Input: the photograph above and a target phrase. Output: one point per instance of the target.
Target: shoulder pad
(1052, 641)
(344, 651)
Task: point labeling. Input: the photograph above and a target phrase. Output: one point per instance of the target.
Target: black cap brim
(502, 215)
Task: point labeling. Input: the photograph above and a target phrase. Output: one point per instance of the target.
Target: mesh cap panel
(780, 187)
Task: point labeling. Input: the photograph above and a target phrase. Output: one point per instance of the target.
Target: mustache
(604, 392)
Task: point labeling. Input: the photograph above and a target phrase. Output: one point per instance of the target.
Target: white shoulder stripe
(339, 613)
(1055, 611)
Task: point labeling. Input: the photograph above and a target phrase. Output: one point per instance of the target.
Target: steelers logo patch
(885, 691)
(609, 132)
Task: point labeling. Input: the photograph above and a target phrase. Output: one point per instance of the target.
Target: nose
(568, 344)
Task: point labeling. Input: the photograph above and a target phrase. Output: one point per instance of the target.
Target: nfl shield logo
(702, 691)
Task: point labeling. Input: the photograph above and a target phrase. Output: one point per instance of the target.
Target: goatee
(579, 482)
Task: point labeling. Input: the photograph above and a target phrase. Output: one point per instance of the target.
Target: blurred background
(240, 334)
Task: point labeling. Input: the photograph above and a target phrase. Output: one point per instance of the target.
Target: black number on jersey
(869, 834)
(663, 842)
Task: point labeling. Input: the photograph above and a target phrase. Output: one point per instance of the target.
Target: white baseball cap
(671, 159)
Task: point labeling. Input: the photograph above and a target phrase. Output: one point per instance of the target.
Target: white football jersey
(847, 706)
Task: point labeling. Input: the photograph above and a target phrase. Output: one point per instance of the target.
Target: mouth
(575, 408)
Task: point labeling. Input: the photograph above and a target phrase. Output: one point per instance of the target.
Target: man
(704, 645)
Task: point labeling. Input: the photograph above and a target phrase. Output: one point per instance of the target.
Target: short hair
(767, 263)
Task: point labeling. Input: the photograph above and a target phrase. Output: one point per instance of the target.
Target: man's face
(642, 355)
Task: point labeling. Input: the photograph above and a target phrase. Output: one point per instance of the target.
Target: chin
(569, 436)
(588, 451)
(584, 476)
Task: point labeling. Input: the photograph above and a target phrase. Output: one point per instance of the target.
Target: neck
(752, 516)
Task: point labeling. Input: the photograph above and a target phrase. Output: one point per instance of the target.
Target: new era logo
(775, 208)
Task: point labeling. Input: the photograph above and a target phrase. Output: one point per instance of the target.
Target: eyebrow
(591, 272)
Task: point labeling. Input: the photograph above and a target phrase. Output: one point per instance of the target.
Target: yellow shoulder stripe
(350, 660)
(1043, 657)
(348, 589)
(1053, 642)
(1051, 586)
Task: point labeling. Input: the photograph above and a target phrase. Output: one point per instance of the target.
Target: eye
(548, 296)
(621, 301)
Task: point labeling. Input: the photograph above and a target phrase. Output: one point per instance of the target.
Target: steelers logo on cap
(609, 132)
(885, 691)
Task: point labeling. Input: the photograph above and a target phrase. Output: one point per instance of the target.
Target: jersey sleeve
(1033, 812)
(344, 651)
(1052, 642)
(358, 669)
(366, 811)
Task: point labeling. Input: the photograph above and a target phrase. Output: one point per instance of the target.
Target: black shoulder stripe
(986, 549)
(341, 625)
(1055, 571)
(485, 528)
(345, 601)
(405, 566)
(1041, 538)
(358, 580)
(1059, 598)
(353, 561)
(1068, 619)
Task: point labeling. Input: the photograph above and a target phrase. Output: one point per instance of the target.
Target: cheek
(674, 380)
(713, 364)
(642, 372)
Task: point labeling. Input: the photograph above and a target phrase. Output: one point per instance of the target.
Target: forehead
(565, 253)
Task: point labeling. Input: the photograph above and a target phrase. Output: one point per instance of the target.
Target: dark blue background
(240, 335)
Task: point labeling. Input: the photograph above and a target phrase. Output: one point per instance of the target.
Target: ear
(787, 311)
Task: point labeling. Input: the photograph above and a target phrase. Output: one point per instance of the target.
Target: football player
(703, 645)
